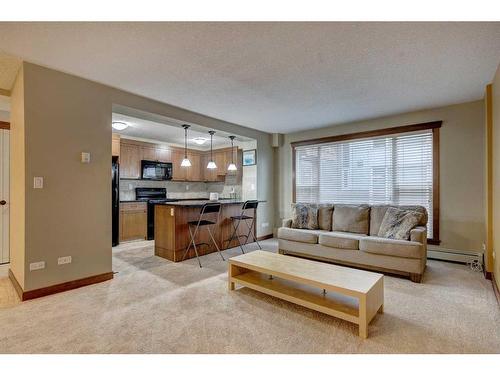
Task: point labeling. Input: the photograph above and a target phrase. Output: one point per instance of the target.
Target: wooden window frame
(434, 125)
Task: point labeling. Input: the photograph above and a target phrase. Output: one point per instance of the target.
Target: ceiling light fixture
(211, 164)
(185, 161)
(232, 166)
(119, 125)
(199, 140)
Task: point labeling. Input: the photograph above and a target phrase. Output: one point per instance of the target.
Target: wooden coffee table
(346, 293)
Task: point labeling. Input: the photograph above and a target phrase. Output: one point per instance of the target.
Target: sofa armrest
(287, 223)
(419, 234)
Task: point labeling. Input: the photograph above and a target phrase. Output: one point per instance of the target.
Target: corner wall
(495, 204)
(462, 217)
(17, 180)
(55, 117)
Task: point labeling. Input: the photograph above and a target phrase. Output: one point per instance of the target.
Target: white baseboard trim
(4, 270)
(461, 256)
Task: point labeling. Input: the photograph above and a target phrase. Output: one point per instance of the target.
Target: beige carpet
(155, 306)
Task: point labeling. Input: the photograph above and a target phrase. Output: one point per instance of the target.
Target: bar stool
(242, 217)
(206, 210)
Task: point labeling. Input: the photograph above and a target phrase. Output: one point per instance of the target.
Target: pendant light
(211, 164)
(232, 166)
(185, 161)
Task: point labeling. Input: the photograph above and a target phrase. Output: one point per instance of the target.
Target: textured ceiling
(275, 77)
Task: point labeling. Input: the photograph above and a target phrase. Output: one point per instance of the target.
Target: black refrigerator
(115, 197)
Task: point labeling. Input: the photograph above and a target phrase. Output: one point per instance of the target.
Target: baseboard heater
(459, 256)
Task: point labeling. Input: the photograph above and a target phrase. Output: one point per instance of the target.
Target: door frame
(6, 126)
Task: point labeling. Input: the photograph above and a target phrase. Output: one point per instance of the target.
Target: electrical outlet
(37, 266)
(63, 260)
(265, 225)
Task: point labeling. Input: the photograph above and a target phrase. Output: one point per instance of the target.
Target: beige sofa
(361, 250)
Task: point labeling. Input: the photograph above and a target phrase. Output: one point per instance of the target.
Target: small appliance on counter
(214, 196)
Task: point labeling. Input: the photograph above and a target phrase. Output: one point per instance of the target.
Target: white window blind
(392, 169)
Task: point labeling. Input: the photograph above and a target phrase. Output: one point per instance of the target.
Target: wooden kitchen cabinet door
(133, 221)
(130, 161)
(209, 174)
(148, 153)
(115, 145)
(178, 172)
(220, 160)
(163, 154)
(193, 173)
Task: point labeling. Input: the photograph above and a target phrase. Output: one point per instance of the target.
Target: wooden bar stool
(243, 217)
(203, 221)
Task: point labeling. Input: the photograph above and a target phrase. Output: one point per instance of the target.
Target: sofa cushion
(304, 216)
(351, 218)
(377, 213)
(325, 212)
(299, 235)
(340, 240)
(396, 248)
(397, 223)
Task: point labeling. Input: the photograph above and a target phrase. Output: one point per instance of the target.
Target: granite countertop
(200, 203)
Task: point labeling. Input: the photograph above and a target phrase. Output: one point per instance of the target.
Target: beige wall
(4, 116)
(461, 162)
(17, 180)
(63, 116)
(496, 174)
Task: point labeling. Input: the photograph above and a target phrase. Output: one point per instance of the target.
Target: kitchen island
(172, 233)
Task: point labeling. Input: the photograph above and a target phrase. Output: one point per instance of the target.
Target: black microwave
(155, 170)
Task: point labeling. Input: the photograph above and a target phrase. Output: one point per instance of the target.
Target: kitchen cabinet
(132, 152)
(133, 221)
(115, 145)
(194, 172)
(148, 153)
(130, 160)
(178, 172)
(220, 160)
(163, 154)
(208, 174)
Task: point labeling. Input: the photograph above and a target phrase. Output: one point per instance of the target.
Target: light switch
(37, 182)
(86, 157)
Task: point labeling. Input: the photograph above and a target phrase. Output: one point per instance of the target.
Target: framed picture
(249, 157)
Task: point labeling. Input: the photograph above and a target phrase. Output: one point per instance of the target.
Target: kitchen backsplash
(182, 190)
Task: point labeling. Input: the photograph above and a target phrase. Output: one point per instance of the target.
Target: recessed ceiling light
(118, 125)
(200, 140)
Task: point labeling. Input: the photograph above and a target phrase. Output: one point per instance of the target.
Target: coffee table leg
(230, 273)
(363, 318)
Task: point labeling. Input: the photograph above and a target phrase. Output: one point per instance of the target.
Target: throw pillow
(304, 216)
(397, 223)
(351, 218)
(325, 212)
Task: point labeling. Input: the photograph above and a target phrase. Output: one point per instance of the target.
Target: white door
(4, 196)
